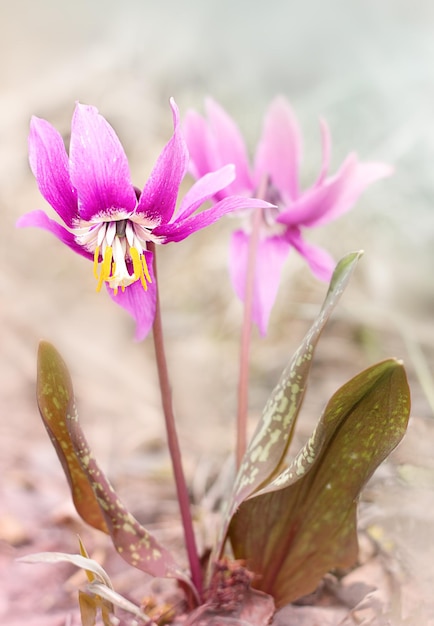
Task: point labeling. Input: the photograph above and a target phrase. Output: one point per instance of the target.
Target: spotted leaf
(302, 523)
(54, 393)
(97, 501)
(273, 434)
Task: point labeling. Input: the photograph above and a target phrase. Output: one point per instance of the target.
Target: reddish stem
(172, 439)
(246, 333)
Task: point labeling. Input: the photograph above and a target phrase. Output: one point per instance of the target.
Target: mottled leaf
(273, 434)
(133, 542)
(97, 501)
(54, 393)
(303, 523)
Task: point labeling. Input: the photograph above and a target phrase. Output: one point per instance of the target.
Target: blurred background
(367, 67)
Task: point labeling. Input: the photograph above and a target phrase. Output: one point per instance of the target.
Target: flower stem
(246, 333)
(172, 439)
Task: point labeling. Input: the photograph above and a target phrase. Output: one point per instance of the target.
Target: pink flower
(217, 141)
(109, 221)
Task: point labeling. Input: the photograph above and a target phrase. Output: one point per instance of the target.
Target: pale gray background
(366, 65)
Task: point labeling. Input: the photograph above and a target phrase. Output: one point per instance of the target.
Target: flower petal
(337, 195)
(49, 164)
(279, 151)
(271, 255)
(198, 137)
(41, 220)
(228, 147)
(158, 199)
(320, 261)
(180, 229)
(98, 165)
(204, 189)
(140, 304)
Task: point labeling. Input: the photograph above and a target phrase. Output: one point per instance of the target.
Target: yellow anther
(145, 269)
(144, 283)
(105, 267)
(138, 267)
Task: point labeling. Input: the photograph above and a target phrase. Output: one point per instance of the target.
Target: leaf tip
(47, 353)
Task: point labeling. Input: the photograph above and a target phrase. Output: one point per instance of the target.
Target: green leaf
(273, 434)
(54, 394)
(302, 523)
(133, 542)
(94, 497)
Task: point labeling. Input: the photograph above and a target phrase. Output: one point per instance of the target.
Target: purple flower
(109, 221)
(217, 141)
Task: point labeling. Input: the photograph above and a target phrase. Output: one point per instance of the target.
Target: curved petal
(198, 138)
(337, 195)
(271, 255)
(98, 165)
(279, 151)
(204, 189)
(49, 164)
(228, 147)
(140, 304)
(41, 220)
(158, 198)
(319, 261)
(180, 229)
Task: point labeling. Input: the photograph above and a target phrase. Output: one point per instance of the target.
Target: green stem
(246, 333)
(172, 439)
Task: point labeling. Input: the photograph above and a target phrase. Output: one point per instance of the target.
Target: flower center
(118, 248)
(270, 193)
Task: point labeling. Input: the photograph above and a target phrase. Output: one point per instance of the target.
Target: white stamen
(129, 233)
(110, 233)
(100, 232)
